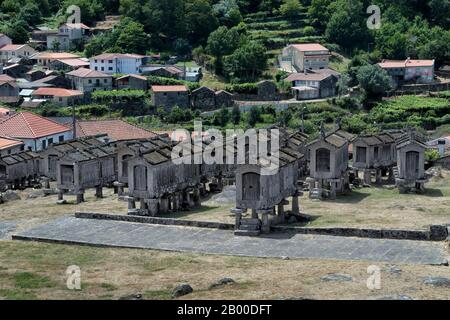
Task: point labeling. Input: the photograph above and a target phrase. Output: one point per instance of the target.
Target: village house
(63, 97)
(35, 131)
(10, 51)
(9, 88)
(415, 71)
(224, 99)
(132, 81)
(39, 36)
(170, 96)
(169, 71)
(306, 56)
(35, 74)
(10, 146)
(16, 70)
(316, 84)
(87, 80)
(67, 34)
(69, 64)
(45, 58)
(117, 63)
(203, 98)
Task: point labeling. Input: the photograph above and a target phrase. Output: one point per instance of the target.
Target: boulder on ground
(182, 290)
(134, 296)
(336, 277)
(10, 195)
(222, 282)
(437, 281)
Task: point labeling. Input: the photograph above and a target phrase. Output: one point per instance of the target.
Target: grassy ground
(38, 271)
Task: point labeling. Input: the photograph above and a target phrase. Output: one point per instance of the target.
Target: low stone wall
(155, 220)
(436, 233)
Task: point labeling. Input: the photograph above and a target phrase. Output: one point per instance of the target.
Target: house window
(95, 61)
(110, 61)
(60, 99)
(50, 141)
(44, 144)
(110, 68)
(90, 81)
(103, 68)
(96, 68)
(105, 80)
(61, 138)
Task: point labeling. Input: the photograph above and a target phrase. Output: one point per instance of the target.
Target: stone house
(267, 90)
(69, 64)
(416, 71)
(88, 81)
(60, 96)
(410, 171)
(328, 164)
(132, 81)
(203, 98)
(11, 51)
(9, 89)
(35, 74)
(224, 99)
(78, 170)
(163, 71)
(170, 96)
(314, 84)
(306, 56)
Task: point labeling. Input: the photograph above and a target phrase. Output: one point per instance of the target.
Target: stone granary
(328, 164)
(19, 170)
(159, 184)
(410, 171)
(51, 155)
(262, 192)
(374, 154)
(93, 167)
(203, 98)
(298, 141)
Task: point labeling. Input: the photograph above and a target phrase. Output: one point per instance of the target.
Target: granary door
(140, 178)
(323, 159)
(251, 186)
(67, 175)
(412, 164)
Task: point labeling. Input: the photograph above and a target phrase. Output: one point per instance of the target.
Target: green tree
(236, 115)
(222, 117)
(247, 62)
(228, 13)
(374, 80)
(222, 42)
(200, 21)
(319, 13)
(133, 38)
(254, 116)
(291, 8)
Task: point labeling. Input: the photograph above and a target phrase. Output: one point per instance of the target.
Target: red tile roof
(76, 62)
(76, 26)
(9, 142)
(57, 92)
(177, 88)
(117, 130)
(27, 125)
(132, 76)
(11, 47)
(106, 56)
(310, 47)
(88, 73)
(406, 63)
(56, 55)
(6, 78)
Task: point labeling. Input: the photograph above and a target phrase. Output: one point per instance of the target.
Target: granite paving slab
(208, 241)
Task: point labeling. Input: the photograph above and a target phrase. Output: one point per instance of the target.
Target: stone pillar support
(99, 192)
(152, 205)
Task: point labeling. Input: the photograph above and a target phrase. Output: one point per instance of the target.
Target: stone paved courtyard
(211, 241)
